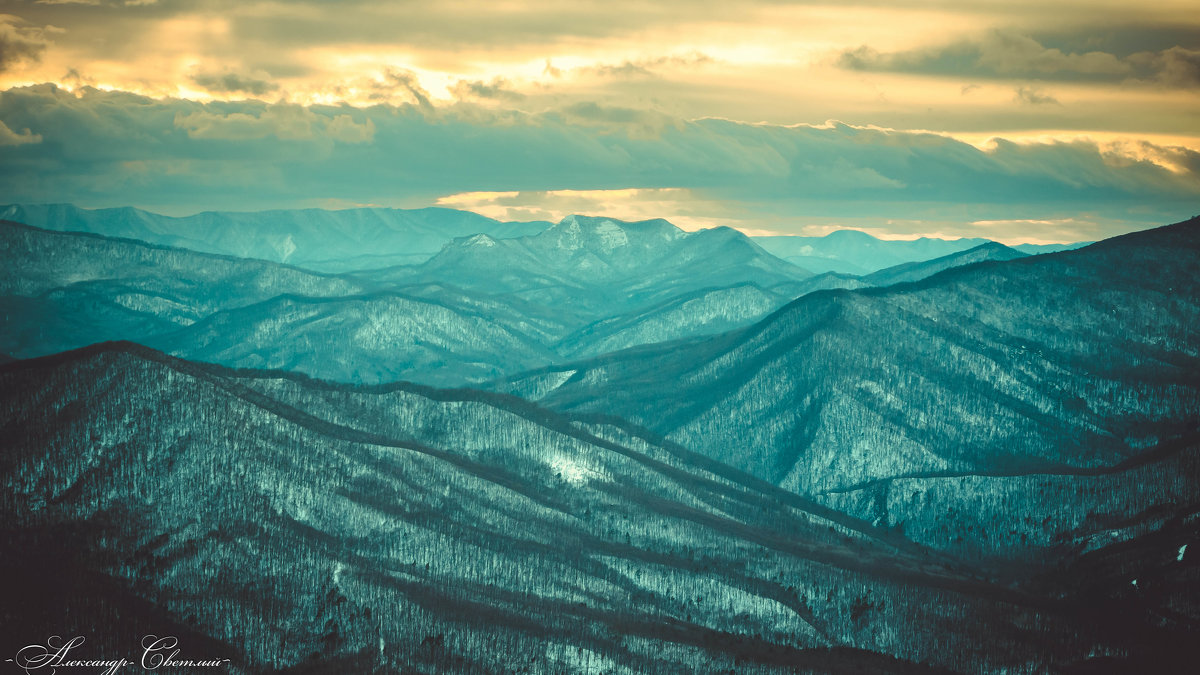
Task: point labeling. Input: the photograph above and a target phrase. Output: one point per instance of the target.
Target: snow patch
(611, 235)
(556, 380)
(572, 471)
(480, 240)
(568, 236)
(286, 248)
(579, 659)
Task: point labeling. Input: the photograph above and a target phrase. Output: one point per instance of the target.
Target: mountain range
(317, 239)
(480, 309)
(682, 453)
(858, 253)
(371, 238)
(901, 404)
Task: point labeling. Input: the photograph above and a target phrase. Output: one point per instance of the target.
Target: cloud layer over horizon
(957, 121)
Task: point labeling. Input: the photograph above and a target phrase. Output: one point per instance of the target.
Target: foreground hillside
(291, 524)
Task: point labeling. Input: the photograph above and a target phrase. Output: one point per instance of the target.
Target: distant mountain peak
(852, 235)
(480, 239)
(573, 233)
(580, 223)
(606, 235)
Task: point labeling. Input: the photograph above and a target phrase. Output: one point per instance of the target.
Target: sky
(1021, 121)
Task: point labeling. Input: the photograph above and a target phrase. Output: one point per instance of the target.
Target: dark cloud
(285, 122)
(625, 69)
(475, 23)
(1034, 96)
(233, 83)
(105, 148)
(1121, 40)
(498, 89)
(407, 81)
(1004, 54)
(261, 31)
(1176, 67)
(648, 67)
(10, 137)
(19, 42)
(266, 28)
(616, 119)
(99, 3)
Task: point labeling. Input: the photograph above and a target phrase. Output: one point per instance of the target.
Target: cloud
(1006, 54)
(1183, 161)
(557, 84)
(344, 129)
(93, 3)
(108, 148)
(499, 89)
(646, 67)
(19, 43)
(1176, 67)
(285, 122)
(762, 60)
(476, 23)
(1034, 96)
(617, 119)
(407, 81)
(233, 83)
(10, 137)
(1121, 38)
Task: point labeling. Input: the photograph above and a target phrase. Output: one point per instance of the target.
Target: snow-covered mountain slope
(1065, 364)
(408, 529)
(916, 271)
(382, 337)
(640, 261)
(64, 290)
(483, 308)
(702, 312)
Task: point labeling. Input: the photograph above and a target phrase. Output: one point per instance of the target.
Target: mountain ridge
(807, 320)
(860, 253)
(583, 248)
(389, 537)
(316, 239)
(370, 237)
